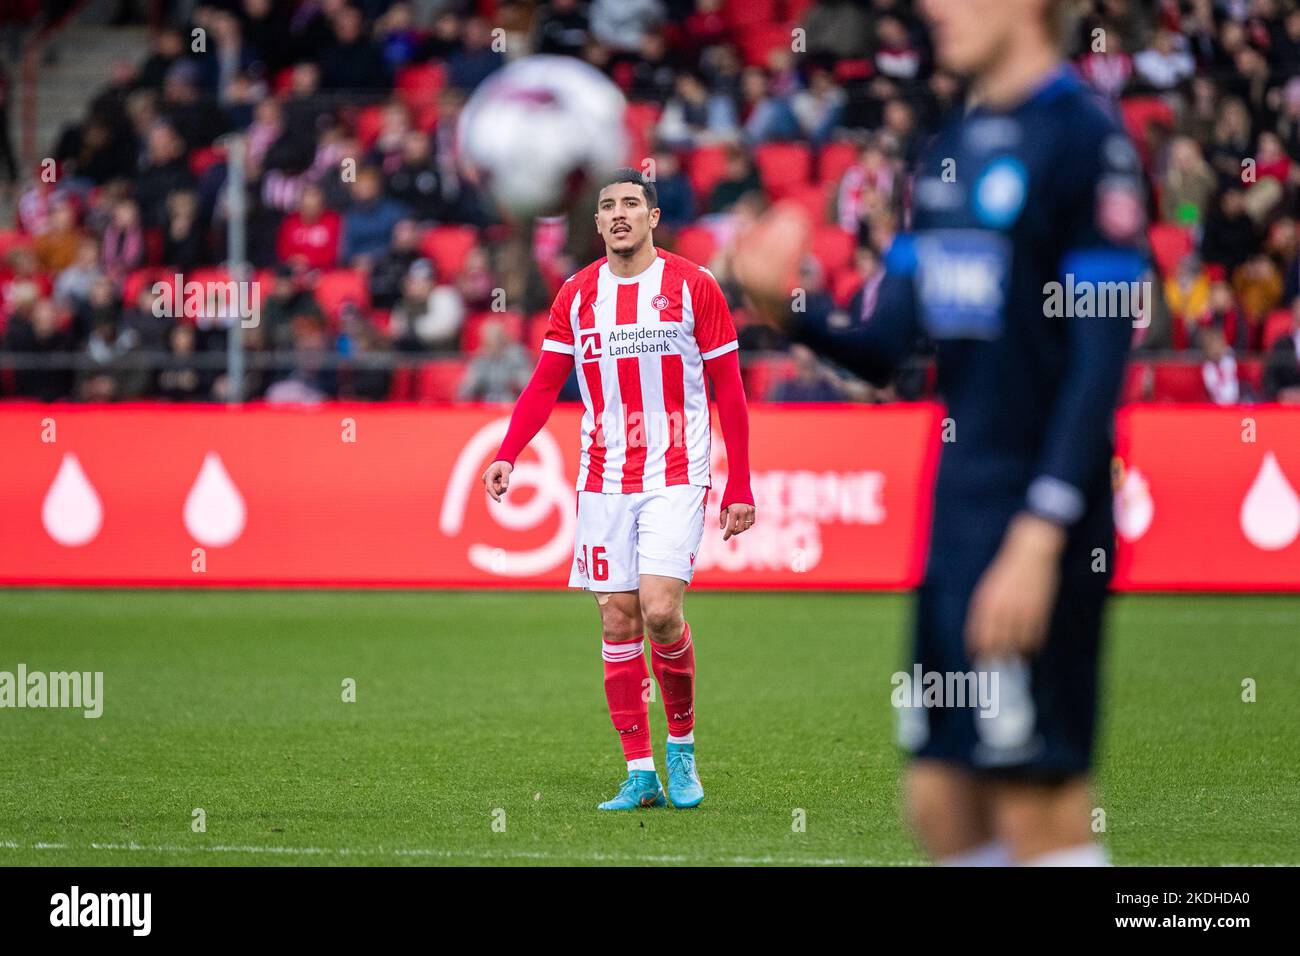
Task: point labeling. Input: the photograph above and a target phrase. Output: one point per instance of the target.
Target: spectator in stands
(652, 74)
(398, 39)
(368, 223)
(695, 116)
(676, 197)
(181, 379)
(1282, 366)
(386, 153)
(1258, 287)
(188, 109)
(122, 249)
(164, 172)
(562, 28)
(185, 240)
(1219, 367)
(477, 59)
(389, 271)
(867, 189)
(37, 329)
(1189, 184)
(839, 29)
(1187, 293)
(428, 316)
(819, 108)
(622, 24)
(289, 297)
(738, 179)
(897, 55)
(364, 378)
(476, 283)
(1231, 142)
(72, 286)
(57, 247)
(811, 380)
(312, 377)
(1225, 316)
(415, 181)
(766, 115)
(309, 237)
(353, 64)
(1230, 236)
(499, 370)
(1109, 69)
(1164, 64)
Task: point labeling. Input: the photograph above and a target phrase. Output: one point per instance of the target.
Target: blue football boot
(684, 787)
(641, 789)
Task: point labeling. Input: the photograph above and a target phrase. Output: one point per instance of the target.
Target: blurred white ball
(533, 130)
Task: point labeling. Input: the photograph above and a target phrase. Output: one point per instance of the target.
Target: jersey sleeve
(1103, 217)
(559, 328)
(715, 329)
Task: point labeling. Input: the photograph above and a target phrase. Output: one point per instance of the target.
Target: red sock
(626, 678)
(675, 670)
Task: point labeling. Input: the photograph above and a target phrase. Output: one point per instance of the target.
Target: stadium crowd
(370, 245)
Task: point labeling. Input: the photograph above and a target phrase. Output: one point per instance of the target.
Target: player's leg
(604, 562)
(1042, 810)
(670, 524)
(949, 809)
(946, 803)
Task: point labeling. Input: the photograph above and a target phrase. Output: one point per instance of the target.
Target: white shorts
(623, 536)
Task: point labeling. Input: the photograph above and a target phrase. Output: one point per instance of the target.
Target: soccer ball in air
(534, 131)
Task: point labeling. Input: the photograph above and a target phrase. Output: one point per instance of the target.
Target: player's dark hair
(629, 175)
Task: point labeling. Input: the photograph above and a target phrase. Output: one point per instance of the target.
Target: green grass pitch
(479, 733)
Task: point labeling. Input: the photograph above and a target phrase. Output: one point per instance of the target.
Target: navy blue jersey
(1016, 214)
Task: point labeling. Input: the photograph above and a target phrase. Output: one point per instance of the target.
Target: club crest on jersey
(659, 302)
(1000, 192)
(590, 343)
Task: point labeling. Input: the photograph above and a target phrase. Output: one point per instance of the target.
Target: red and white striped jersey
(640, 346)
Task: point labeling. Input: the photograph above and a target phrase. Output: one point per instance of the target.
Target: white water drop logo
(1270, 513)
(72, 513)
(1134, 506)
(214, 508)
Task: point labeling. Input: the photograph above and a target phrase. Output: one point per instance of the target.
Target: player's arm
(881, 339)
(535, 402)
(766, 264)
(1103, 218)
(715, 333)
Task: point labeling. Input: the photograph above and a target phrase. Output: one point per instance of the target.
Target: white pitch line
(419, 852)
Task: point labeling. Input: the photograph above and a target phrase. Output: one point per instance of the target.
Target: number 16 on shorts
(598, 568)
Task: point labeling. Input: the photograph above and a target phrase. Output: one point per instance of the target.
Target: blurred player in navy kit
(1034, 184)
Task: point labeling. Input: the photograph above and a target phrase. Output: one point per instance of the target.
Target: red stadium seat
(844, 286)
(833, 248)
(697, 244)
(815, 198)
(537, 326)
(139, 280)
(794, 9)
(761, 375)
(742, 13)
(339, 286)
(1137, 383)
(834, 159)
(448, 247)
(201, 160)
(420, 85)
(439, 380)
(402, 386)
(1250, 375)
(1169, 244)
(783, 167)
(640, 120)
(369, 124)
(757, 41)
(705, 167)
(11, 239)
(1178, 382)
(471, 334)
(1276, 325)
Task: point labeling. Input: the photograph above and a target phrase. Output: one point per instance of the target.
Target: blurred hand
(736, 519)
(497, 479)
(1012, 604)
(766, 260)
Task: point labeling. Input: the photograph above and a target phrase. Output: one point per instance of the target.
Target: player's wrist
(1036, 536)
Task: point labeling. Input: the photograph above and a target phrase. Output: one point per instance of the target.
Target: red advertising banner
(366, 495)
(1208, 498)
(389, 496)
